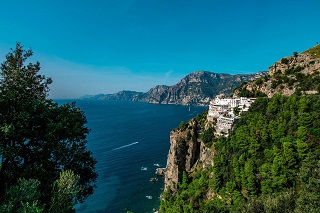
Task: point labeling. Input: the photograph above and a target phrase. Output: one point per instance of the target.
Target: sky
(104, 46)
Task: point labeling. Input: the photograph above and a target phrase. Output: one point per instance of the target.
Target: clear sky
(103, 46)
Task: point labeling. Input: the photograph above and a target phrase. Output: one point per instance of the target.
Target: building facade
(226, 111)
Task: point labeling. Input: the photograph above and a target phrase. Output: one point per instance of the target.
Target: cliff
(187, 153)
(262, 164)
(298, 74)
(197, 88)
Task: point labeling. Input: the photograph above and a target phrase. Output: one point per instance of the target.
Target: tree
(22, 197)
(284, 61)
(309, 178)
(182, 125)
(39, 138)
(236, 111)
(64, 190)
(295, 55)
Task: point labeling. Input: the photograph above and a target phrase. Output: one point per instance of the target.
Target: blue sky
(102, 46)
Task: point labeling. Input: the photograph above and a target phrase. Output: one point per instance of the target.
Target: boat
(156, 164)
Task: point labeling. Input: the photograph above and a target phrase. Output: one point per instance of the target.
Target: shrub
(259, 81)
(182, 125)
(284, 61)
(274, 84)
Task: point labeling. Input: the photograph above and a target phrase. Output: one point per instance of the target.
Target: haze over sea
(125, 137)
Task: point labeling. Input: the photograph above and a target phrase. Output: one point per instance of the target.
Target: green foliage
(283, 202)
(255, 94)
(189, 136)
(39, 138)
(314, 51)
(64, 190)
(201, 119)
(189, 198)
(246, 93)
(22, 197)
(309, 179)
(183, 125)
(207, 136)
(293, 70)
(269, 163)
(285, 61)
(274, 84)
(236, 111)
(259, 81)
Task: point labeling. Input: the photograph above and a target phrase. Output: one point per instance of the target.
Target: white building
(222, 109)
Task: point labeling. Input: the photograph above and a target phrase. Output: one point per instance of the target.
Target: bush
(274, 84)
(284, 61)
(259, 81)
(246, 93)
(182, 125)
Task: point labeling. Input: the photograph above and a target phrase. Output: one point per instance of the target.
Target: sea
(130, 140)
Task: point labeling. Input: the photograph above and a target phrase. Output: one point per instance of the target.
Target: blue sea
(129, 140)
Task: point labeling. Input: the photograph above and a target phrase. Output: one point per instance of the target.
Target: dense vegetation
(269, 163)
(45, 165)
(314, 51)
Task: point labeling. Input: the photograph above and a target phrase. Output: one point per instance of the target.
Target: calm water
(126, 137)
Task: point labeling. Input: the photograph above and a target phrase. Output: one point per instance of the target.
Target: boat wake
(121, 147)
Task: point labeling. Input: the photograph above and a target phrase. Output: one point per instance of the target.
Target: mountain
(122, 95)
(197, 88)
(269, 162)
(297, 74)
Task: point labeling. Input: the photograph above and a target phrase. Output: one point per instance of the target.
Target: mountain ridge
(296, 74)
(197, 88)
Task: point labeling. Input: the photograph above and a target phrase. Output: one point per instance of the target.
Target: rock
(185, 155)
(160, 171)
(303, 64)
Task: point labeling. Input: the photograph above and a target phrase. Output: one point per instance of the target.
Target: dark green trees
(269, 163)
(39, 138)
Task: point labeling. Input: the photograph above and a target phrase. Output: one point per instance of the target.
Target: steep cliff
(187, 153)
(155, 95)
(198, 88)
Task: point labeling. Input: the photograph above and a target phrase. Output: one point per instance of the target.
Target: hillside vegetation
(269, 163)
(314, 51)
(297, 74)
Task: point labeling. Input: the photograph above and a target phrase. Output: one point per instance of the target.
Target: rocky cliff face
(297, 73)
(197, 88)
(155, 95)
(187, 153)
